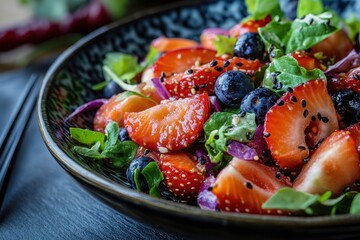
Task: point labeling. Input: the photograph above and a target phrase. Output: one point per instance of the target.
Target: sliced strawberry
(243, 186)
(172, 125)
(349, 80)
(164, 44)
(203, 78)
(300, 119)
(182, 177)
(305, 60)
(355, 133)
(182, 59)
(332, 167)
(249, 26)
(335, 47)
(114, 110)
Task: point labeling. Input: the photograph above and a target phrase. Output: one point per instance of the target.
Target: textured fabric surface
(43, 201)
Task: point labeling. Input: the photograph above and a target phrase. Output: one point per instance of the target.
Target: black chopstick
(20, 103)
(13, 133)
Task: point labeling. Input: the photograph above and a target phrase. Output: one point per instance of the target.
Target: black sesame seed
(275, 74)
(203, 85)
(305, 113)
(302, 148)
(347, 189)
(242, 114)
(278, 175)
(226, 63)
(189, 71)
(272, 54)
(357, 183)
(293, 98)
(162, 79)
(239, 64)
(319, 116)
(266, 134)
(202, 160)
(281, 103)
(325, 119)
(313, 118)
(163, 74)
(290, 90)
(278, 86)
(249, 136)
(356, 76)
(213, 63)
(146, 151)
(219, 69)
(303, 103)
(248, 185)
(311, 21)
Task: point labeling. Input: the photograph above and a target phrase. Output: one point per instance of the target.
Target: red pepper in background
(83, 20)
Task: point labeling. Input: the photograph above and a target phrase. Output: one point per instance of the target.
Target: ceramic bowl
(68, 83)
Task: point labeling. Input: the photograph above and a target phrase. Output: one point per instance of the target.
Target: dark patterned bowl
(68, 85)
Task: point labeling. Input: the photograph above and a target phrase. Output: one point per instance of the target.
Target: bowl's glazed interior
(67, 85)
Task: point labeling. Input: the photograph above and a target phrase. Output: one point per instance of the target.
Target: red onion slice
(215, 104)
(163, 92)
(89, 106)
(206, 199)
(216, 31)
(352, 60)
(242, 151)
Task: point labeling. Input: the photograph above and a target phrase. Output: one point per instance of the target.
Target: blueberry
(111, 89)
(259, 102)
(124, 135)
(250, 46)
(347, 104)
(138, 163)
(232, 86)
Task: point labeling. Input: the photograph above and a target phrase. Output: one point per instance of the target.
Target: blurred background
(32, 31)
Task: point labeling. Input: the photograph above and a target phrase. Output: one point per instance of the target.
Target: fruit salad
(262, 118)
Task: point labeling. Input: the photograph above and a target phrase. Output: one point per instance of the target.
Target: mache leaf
(154, 177)
(224, 45)
(87, 137)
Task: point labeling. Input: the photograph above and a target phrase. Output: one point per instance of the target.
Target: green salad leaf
(301, 34)
(120, 153)
(125, 66)
(87, 137)
(305, 7)
(223, 127)
(127, 94)
(93, 152)
(261, 8)
(285, 72)
(224, 45)
(154, 177)
(289, 199)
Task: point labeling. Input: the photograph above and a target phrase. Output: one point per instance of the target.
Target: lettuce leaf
(285, 72)
(289, 199)
(259, 9)
(301, 34)
(222, 127)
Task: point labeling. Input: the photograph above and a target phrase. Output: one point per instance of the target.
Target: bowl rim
(111, 187)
